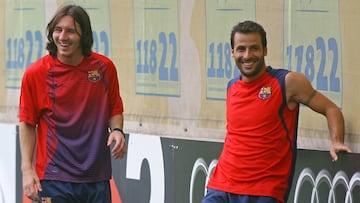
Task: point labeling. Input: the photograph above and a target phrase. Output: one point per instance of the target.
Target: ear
(265, 51)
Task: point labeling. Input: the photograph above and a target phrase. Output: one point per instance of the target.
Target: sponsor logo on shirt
(265, 92)
(45, 199)
(94, 76)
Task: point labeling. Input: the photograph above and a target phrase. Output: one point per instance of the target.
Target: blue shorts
(66, 192)
(216, 196)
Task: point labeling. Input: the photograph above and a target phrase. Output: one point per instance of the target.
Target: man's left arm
(117, 136)
(301, 91)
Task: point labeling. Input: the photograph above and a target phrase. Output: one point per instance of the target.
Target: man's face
(67, 36)
(249, 55)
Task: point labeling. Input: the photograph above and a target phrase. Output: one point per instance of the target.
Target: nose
(246, 53)
(62, 35)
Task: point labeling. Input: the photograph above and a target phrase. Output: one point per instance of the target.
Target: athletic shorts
(216, 196)
(66, 192)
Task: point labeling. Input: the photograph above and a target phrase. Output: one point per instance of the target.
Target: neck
(71, 60)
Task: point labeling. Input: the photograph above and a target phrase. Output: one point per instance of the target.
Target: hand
(119, 148)
(338, 147)
(31, 184)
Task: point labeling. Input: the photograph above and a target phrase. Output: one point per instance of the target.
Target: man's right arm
(27, 144)
(31, 182)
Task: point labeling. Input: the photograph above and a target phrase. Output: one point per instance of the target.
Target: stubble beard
(259, 66)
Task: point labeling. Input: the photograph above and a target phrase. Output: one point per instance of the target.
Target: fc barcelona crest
(265, 92)
(94, 76)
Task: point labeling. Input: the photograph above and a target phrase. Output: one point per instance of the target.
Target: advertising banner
(319, 179)
(314, 48)
(24, 36)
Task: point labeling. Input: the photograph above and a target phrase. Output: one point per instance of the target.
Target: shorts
(217, 196)
(66, 192)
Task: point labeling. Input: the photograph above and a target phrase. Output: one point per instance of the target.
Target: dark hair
(82, 18)
(248, 27)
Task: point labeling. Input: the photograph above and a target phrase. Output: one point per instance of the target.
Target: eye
(255, 48)
(57, 29)
(71, 31)
(241, 49)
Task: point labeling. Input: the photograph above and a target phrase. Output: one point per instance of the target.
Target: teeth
(64, 44)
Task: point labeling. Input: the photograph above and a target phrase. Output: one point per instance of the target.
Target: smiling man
(262, 108)
(69, 100)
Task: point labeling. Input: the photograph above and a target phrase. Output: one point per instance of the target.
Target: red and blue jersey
(259, 151)
(71, 107)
